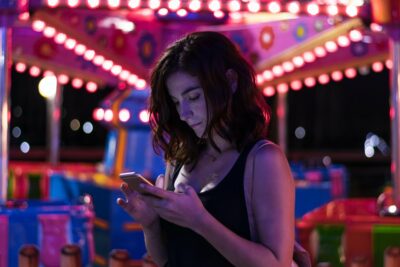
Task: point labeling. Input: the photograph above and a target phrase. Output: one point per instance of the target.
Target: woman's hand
(136, 207)
(183, 208)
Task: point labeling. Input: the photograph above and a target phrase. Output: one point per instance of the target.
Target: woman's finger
(155, 191)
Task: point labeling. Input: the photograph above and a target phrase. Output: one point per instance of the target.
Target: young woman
(227, 198)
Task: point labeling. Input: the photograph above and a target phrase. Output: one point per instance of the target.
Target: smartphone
(134, 180)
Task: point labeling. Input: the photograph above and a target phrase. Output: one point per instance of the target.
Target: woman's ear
(232, 77)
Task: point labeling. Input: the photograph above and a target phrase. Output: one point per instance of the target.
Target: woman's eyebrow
(189, 89)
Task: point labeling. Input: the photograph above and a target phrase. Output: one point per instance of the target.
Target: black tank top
(226, 202)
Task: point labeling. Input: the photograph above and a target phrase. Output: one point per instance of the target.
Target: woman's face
(188, 97)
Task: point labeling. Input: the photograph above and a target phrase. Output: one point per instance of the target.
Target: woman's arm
(273, 207)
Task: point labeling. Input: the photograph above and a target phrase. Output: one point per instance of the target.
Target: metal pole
(53, 125)
(5, 38)
(394, 112)
(281, 112)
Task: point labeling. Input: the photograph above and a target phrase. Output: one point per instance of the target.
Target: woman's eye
(194, 98)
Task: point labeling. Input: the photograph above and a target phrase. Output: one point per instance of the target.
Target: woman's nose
(185, 111)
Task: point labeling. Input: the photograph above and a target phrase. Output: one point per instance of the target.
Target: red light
(73, 3)
(132, 79)
(234, 5)
(375, 27)
(77, 83)
(296, 85)
(312, 9)
(320, 51)
(331, 46)
(323, 79)
(91, 87)
(293, 7)
(310, 81)
(350, 73)
(93, 3)
(274, 7)
(308, 57)
(20, 67)
(107, 65)
(63, 79)
(38, 25)
(80, 49)
(282, 88)
(124, 75)
(34, 71)
(332, 10)
(108, 115)
(343, 41)
(144, 116)
(253, 6)
(60, 38)
(377, 66)
(298, 61)
(259, 79)
(218, 14)
(48, 73)
(116, 70)
(269, 91)
(235, 16)
(124, 115)
(195, 5)
(162, 11)
(154, 4)
(98, 114)
(174, 4)
(337, 75)
(268, 75)
(133, 3)
(214, 5)
(24, 16)
(140, 84)
(113, 4)
(389, 64)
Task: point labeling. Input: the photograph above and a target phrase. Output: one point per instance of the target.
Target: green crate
(384, 236)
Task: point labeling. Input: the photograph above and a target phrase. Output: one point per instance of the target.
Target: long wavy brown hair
(239, 115)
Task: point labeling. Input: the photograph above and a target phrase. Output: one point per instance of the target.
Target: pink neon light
(133, 3)
(108, 115)
(80, 49)
(293, 7)
(277, 70)
(91, 87)
(389, 64)
(274, 7)
(235, 16)
(269, 91)
(259, 79)
(282, 88)
(377, 66)
(174, 4)
(154, 4)
(48, 73)
(351, 11)
(234, 5)
(214, 5)
(49, 32)
(195, 5)
(355, 35)
(310, 81)
(77, 83)
(63, 79)
(34, 71)
(98, 60)
(132, 79)
(296, 85)
(38, 25)
(309, 57)
(144, 116)
(93, 3)
(320, 51)
(140, 84)
(98, 114)
(116, 70)
(323, 78)
(53, 3)
(163, 11)
(89, 54)
(253, 6)
(288, 66)
(312, 9)
(181, 12)
(113, 3)
(70, 44)
(331, 46)
(20, 67)
(218, 14)
(24, 16)
(124, 115)
(350, 73)
(268, 75)
(332, 10)
(124, 75)
(107, 65)
(60, 38)
(298, 61)
(73, 3)
(337, 75)
(343, 41)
